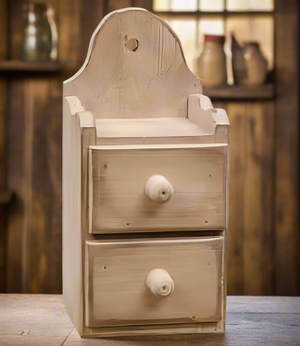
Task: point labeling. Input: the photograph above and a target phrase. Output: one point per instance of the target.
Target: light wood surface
(29, 320)
(161, 130)
(119, 177)
(117, 290)
(72, 218)
(157, 127)
(153, 83)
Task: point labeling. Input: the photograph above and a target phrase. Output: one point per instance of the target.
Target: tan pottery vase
(211, 64)
(256, 65)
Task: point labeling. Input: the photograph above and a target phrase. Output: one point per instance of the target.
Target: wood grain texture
(117, 82)
(15, 29)
(3, 138)
(33, 153)
(71, 16)
(147, 4)
(37, 199)
(34, 230)
(145, 128)
(4, 29)
(155, 80)
(34, 169)
(258, 203)
(92, 13)
(118, 293)
(257, 321)
(251, 208)
(287, 149)
(118, 4)
(70, 47)
(119, 176)
(16, 182)
(30, 66)
(237, 118)
(39, 319)
(72, 219)
(239, 92)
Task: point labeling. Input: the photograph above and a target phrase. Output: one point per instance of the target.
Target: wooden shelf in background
(30, 66)
(5, 196)
(213, 13)
(239, 92)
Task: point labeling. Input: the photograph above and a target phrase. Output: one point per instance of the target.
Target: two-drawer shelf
(145, 171)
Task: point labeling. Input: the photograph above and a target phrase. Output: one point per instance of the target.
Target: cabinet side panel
(72, 253)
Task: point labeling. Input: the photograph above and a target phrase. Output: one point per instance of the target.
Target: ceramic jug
(249, 65)
(211, 64)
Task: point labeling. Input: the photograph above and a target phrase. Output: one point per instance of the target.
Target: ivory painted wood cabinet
(145, 165)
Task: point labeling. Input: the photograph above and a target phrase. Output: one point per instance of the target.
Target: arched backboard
(135, 68)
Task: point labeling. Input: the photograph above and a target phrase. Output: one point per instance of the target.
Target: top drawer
(117, 187)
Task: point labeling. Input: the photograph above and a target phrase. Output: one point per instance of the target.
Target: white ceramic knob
(160, 282)
(159, 189)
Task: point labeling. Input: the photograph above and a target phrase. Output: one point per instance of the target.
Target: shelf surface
(145, 127)
(239, 92)
(30, 66)
(214, 13)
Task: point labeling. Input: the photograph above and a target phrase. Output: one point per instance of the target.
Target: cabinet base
(194, 328)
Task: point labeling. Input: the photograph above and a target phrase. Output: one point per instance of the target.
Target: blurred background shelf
(239, 92)
(213, 13)
(31, 66)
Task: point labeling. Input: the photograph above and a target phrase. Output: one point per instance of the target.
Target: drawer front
(116, 281)
(118, 201)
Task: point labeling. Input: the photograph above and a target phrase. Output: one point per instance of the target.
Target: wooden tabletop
(42, 320)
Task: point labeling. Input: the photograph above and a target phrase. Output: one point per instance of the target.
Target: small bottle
(256, 64)
(211, 64)
(39, 33)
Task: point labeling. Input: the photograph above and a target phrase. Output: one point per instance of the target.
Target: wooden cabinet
(145, 209)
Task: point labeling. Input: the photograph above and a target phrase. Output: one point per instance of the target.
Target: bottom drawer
(118, 292)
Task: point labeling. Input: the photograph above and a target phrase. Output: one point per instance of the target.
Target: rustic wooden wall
(263, 248)
(286, 219)
(3, 97)
(33, 248)
(251, 197)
